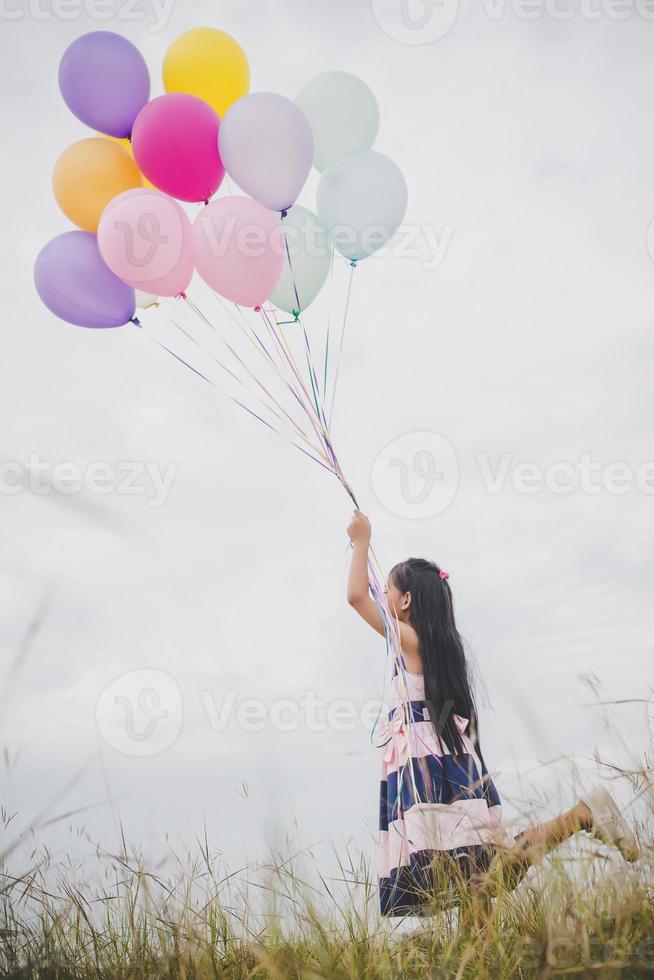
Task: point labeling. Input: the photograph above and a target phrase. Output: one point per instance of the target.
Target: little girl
(440, 816)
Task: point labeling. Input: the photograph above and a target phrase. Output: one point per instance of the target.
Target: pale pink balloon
(145, 239)
(238, 249)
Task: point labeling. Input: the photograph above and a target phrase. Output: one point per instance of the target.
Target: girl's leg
(532, 844)
(537, 841)
(598, 813)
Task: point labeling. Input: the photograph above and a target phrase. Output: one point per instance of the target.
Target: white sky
(533, 142)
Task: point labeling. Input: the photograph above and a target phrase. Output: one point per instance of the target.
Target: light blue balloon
(343, 114)
(362, 198)
(310, 255)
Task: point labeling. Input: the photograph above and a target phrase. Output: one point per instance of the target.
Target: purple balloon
(104, 80)
(75, 284)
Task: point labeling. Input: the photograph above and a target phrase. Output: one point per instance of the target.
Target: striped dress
(436, 810)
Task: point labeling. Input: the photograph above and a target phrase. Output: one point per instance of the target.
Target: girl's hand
(359, 529)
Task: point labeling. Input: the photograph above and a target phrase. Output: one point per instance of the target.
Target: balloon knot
(206, 202)
(284, 213)
(135, 320)
(296, 315)
(257, 309)
(182, 295)
(353, 263)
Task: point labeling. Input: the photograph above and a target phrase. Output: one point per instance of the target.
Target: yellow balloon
(126, 144)
(207, 63)
(89, 174)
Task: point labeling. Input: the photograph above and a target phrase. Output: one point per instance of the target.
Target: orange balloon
(88, 175)
(126, 144)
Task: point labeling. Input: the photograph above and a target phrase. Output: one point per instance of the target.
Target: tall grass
(581, 912)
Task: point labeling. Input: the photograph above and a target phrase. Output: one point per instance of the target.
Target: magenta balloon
(104, 80)
(266, 145)
(175, 144)
(144, 236)
(238, 249)
(75, 284)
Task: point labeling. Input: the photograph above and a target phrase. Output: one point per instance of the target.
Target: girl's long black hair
(448, 681)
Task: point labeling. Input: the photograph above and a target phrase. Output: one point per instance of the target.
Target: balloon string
(278, 369)
(312, 373)
(285, 352)
(299, 432)
(329, 308)
(236, 401)
(340, 351)
(236, 378)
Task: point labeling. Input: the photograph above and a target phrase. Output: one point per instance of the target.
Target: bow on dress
(396, 735)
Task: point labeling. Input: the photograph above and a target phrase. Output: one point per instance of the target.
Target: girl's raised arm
(358, 591)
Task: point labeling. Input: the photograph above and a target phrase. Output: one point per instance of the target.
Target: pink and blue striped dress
(431, 803)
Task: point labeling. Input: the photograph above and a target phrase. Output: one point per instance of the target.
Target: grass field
(581, 912)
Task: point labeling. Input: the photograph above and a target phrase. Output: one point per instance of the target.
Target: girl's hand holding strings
(359, 529)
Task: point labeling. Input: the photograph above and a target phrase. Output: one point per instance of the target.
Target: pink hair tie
(443, 574)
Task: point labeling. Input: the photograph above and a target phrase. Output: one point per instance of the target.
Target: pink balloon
(175, 144)
(238, 249)
(145, 239)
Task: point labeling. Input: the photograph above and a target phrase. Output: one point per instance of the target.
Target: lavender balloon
(104, 80)
(266, 145)
(75, 284)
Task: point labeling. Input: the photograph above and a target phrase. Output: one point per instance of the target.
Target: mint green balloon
(310, 252)
(343, 114)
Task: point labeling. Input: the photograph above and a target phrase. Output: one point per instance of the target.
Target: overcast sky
(528, 149)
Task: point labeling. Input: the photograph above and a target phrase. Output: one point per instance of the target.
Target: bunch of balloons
(122, 185)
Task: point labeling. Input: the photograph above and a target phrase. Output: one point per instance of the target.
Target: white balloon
(266, 145)
(310, 253)
(145, 300)
(343, 113)
(362, 199)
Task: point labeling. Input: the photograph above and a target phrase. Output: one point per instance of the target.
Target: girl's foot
(607, 823)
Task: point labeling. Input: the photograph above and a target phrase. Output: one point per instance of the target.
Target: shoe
(609, 825)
